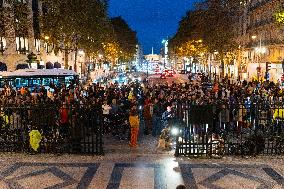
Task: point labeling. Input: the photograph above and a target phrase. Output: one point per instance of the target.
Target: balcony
(258, 4)
(253, 44)
(260, 24)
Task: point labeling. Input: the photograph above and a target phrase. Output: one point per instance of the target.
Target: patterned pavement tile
(62, 177)
(143, 173)
(230, 176)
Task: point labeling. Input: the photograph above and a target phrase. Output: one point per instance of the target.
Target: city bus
(37, 77)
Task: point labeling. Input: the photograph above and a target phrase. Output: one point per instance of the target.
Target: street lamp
(259, 50)
(165, 42)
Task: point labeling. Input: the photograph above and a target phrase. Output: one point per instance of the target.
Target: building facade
(261, 40)
(20, 35)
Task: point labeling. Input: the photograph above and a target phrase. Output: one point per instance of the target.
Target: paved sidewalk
(141, 168)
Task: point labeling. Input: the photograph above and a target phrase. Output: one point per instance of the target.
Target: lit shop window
(37, 45)
(22, 44)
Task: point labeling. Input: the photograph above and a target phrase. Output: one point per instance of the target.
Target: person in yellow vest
(130, 96)
(134, 124)
(35, 138)
(7, 117)
(278, 116)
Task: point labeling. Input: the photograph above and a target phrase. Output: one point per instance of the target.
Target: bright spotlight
(174, 131)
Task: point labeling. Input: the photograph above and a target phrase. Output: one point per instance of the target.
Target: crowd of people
(148, 107)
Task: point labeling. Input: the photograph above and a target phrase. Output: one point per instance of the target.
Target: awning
(57, 65)
(22, 66)
(49, 65)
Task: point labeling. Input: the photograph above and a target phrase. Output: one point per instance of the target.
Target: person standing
(157, 109)
(147, 117)
(134, 125)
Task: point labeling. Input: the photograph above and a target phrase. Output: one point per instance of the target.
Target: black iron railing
(56, 130)
(245, 129)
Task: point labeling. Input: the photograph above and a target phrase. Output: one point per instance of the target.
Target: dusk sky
(153, 20)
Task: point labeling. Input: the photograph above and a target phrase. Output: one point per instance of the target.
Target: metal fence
(51, 129)
(245, 129)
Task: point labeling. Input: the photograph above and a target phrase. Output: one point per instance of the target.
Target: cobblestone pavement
(141, 168)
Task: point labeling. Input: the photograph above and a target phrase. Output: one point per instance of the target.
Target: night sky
(153, 20)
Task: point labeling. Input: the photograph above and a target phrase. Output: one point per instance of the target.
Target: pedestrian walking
(134, 125)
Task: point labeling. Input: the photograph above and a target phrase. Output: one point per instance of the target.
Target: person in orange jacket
(134, 124)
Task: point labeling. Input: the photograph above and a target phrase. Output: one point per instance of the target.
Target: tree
(72, 25)
(111, 51)
(213, 21)
(279, 17)
(125, 38)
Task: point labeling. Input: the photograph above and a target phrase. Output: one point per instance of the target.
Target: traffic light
(266, 76)
(268, 66)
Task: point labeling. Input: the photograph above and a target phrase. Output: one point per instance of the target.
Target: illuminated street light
(165, 42)
(46, 37)
(81, 52)
(200, 41)
(259, 50)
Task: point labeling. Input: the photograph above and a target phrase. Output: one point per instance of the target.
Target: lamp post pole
(259, 59)
(147, 69)
(165, 42)
(259, 51)
(210, 65)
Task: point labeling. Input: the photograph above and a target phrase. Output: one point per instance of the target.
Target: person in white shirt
(106, 108)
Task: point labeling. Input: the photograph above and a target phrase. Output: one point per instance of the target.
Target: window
(22, 1)
(2, 44)
(37, 45)
(48, 47)
(22, 44)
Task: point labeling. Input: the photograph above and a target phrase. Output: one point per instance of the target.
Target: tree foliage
(125, 38)
(72, 24)
(111, 51)
(213, 21)
(279, 17)
(14, 16)
(192, 48)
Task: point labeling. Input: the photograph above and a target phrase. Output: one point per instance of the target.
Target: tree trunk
(75, 61)
(222, 69)
(66, 53)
